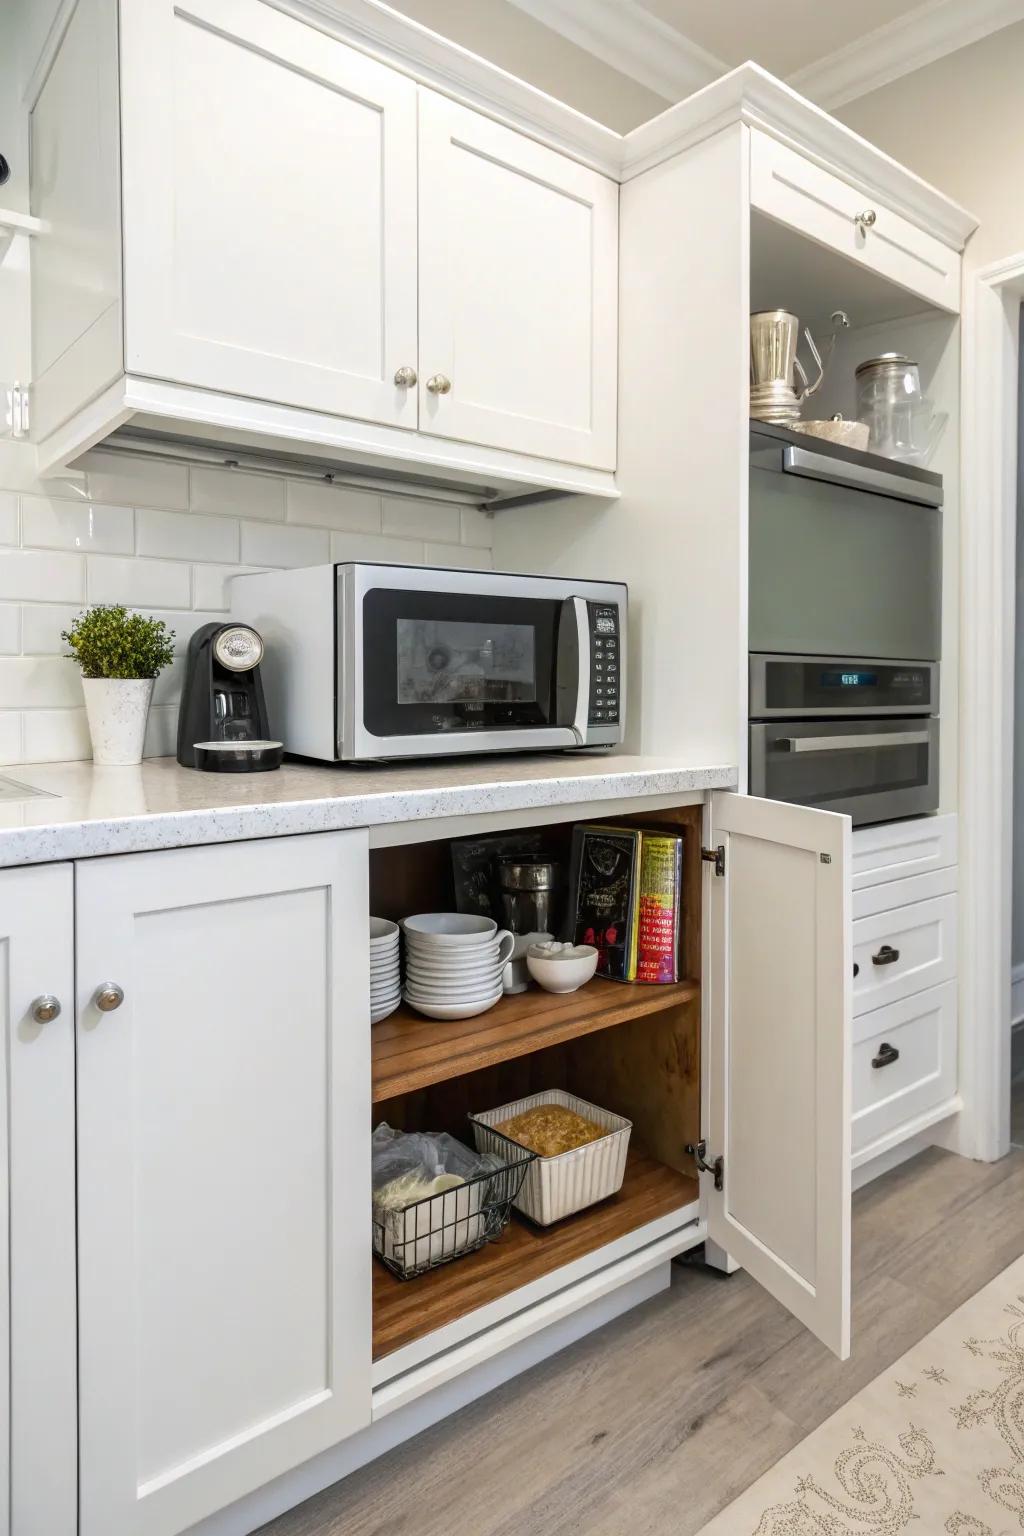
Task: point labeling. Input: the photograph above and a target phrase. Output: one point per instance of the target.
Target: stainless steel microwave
(369, 662)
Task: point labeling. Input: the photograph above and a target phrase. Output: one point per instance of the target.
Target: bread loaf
(550, 1129)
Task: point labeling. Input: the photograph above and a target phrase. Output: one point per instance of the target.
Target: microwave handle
(851, 743)
(572, 668)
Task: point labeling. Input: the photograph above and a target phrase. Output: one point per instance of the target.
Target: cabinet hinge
(699, 1154)
(16, 411)
(715, 856)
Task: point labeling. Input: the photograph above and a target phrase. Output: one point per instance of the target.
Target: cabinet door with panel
(223, 1164)
(38, 1404)
(777, 973)
(269, 191)
(518, 276)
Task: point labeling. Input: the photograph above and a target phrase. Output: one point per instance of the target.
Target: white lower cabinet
(904, 1063)
(223, 1169)
(38, 1471)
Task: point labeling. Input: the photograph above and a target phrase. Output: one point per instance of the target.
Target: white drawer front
(903, 893)
(903, 951)
(921, 1031)
(903, 848)
(825, 208)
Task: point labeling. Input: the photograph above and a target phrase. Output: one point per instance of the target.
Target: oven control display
(849, 679)
(604, 664)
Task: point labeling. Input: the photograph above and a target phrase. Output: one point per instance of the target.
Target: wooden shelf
(411, 1052)
(404, 1310)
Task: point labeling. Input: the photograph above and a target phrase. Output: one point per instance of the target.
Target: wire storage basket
(442, 1227)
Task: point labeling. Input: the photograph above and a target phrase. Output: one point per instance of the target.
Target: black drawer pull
(887, 1054)
(886, 956)
(856, 970)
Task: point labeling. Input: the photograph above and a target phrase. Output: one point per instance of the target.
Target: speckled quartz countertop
(88, 811)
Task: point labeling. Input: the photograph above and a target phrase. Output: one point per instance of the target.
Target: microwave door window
(437, 662)
(451, 661)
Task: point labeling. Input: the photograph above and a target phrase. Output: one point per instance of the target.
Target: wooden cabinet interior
(632, 1049)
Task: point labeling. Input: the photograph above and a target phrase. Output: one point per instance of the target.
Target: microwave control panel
(604, 663)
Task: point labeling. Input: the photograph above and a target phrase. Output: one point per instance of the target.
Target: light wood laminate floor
(653, 1424)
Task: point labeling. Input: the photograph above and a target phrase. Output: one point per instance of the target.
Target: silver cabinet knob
(865, 220)
(45, 1008)
(405, 378)
(438, 384)
(108, 997)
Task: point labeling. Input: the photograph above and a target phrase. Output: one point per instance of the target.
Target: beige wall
(957, 123)
(508, 37)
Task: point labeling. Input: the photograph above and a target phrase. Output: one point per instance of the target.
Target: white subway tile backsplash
(55, 735)
(370, 546)
(8, 517)
(185, 536)
(10, 629)
(40, 682)
(210, 585)
(10, 738)
(421, 519)
(42, 625)
(333, 506)
(84, 525)
(185, 621)
(264, 544)
(42, 576)
(139, 583)
(168, 686)
(133, 481)
(477, 528)
(459, 558)
(162, 731)
(235, 493)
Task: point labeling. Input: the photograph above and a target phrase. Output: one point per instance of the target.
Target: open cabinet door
(778, 972)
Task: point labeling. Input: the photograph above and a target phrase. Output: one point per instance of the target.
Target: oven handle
(572, 668)
(863, 477)
(851, 743)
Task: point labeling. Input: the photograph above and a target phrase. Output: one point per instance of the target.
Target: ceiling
(830, 52)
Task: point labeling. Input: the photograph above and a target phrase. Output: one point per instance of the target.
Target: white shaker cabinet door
(38, 1405)
(518, 291)
(778, 976)
(269, 209)
(223, 1172)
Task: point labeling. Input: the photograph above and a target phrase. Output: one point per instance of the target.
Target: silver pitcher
(775, 367)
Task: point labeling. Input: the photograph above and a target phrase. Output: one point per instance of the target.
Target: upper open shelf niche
(12, 224)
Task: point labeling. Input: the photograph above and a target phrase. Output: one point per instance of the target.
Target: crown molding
(632, 40)
(919, 37)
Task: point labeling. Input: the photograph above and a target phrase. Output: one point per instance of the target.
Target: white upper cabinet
(779, 1112)
(38, 1403)
(269, 181)
(223, 1171)
(831, 211)
(518, 276)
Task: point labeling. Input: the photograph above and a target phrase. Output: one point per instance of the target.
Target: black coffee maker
(223, 725)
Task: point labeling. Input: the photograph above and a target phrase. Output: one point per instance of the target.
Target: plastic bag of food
(425, 1209)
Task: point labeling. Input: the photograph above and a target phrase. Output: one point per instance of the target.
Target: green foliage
(111, 641)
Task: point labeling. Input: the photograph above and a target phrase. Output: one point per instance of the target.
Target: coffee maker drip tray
(238, 756)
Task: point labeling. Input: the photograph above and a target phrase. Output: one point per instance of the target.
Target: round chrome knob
(46, 1008)
(865, 220)
(108, 997)
(405, 378)
(438, 384)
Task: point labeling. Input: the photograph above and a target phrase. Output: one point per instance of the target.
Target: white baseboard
(1017, 995)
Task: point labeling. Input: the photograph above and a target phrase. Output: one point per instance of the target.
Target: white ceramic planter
(117, 709)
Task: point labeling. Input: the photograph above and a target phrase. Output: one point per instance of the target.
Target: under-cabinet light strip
(195, 453)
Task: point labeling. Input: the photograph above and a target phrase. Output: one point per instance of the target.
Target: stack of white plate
(453, 963)
(385, 971)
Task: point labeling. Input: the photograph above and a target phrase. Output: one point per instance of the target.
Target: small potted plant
(120, 654)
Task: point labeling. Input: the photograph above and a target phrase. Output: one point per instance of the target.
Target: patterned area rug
(934, 1445)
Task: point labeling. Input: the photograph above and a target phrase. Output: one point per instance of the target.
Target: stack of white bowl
(385, 969)
(453, 963)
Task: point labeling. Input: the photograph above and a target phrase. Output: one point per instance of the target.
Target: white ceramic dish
(382, 932)
(474, 954)
(450, 930)
(474, 986)
(563, 969)
(432, 1010)
(457, 972)
(556, 1187)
